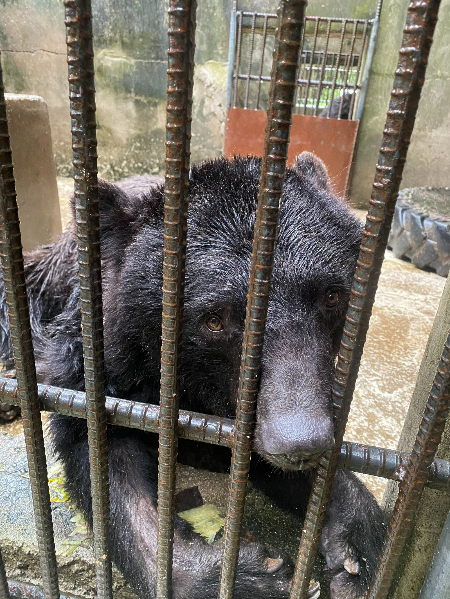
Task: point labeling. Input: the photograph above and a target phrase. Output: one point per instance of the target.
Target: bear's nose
(298, 437)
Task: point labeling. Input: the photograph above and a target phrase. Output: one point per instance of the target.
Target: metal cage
(166, 418)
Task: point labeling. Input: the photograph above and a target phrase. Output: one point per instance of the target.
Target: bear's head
(316, 253)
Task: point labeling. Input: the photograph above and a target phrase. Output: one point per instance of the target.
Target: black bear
(315, 257)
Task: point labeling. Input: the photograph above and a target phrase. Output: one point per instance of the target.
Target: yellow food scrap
(56, 488)
(205, 520)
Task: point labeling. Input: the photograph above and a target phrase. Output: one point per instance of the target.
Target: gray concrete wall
(130, 56)
(427, 162)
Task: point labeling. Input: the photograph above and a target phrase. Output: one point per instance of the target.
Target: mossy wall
(427, 162)
(131, 61)
(130, 56)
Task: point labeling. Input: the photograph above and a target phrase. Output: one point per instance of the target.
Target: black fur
(315, 258)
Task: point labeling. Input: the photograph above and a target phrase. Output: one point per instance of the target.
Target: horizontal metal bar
(245, 13)
(316, 83)
(367, 459)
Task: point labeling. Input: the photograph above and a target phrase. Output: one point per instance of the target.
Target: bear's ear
(310, 167)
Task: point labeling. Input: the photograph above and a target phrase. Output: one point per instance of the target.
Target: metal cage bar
(80, 59)
(180, 74)
(338, 60)
(358, 71)
(323, 66)
(250, 61)
(368, 459)
(279, 118)
(408, 82)
(347, 70)
(19, 321)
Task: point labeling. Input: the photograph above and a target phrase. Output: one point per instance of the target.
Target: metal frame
(319, 68)
(167, 420)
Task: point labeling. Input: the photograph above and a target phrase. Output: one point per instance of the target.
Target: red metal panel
(332, 140)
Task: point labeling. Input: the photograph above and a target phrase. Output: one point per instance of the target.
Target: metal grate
(332, 54)
(98, 410)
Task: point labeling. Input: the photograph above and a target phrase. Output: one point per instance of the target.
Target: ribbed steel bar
(368, 459)
(80, 59)
(19, 321)
(4, 591)
(250, 61)
(414, 480)
(313, 49)
(238, 58)
(180, 75)
(324, 64)
(408, 82)
(261, 64)
(279, 118)
(338, 60)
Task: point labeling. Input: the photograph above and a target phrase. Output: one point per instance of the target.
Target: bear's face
(315, 257)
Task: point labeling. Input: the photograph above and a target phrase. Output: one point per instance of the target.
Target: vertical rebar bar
(238, 59)
(261, 65)
(324, 64)
(358, 70)
(313, 50)
(338, 60)
(408, 82)
(19, 322)
(250, 60)
(279, 118)
(80, 59)
(180, 73)
(4, 590)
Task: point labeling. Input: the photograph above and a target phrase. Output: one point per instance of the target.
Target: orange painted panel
(332, 140)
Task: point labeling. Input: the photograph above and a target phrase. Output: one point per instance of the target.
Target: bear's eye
(214, 323)
(332, 299)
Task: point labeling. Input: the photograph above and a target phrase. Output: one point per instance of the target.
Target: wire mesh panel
(329, 75)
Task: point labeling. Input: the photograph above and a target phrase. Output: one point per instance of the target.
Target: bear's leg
(353, 531)
(133, 489)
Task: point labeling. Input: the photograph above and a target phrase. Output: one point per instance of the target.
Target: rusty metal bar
(279, 118)
(250, 61)
(180, 75)
(408, 82)
(4, 591)
(80, 59)
(238, 58)
(261, 65)
(367, 459)
(313, 49)
(19, 321)
(415, 477)
(324, 64)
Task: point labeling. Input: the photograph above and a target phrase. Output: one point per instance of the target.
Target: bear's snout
(295, 442)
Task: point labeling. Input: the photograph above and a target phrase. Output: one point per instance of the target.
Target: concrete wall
(130, 55)
(427, 162)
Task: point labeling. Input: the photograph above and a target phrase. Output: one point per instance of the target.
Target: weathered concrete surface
(430, 141)
(131, 61)
(434, 506)
(34, 169)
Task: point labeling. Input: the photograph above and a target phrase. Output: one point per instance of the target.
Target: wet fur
(316, 251)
